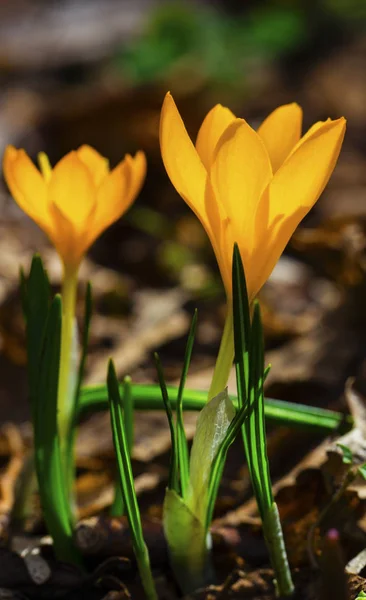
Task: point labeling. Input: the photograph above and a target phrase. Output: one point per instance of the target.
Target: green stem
(224, 359)
(68, 363)
(278, 412)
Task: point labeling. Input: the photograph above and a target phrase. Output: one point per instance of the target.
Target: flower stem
(224, 359)
(68, 361)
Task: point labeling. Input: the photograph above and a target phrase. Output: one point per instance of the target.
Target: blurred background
(96, 72)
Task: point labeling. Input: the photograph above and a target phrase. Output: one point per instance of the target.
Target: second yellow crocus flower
(76, 200)
(73, 203)
(249, 187)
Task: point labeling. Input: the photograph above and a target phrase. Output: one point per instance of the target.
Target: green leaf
(242, 344)
(347, 454)
(242, 328)
(36, 301)
(173, 479)
(118, 507)
(187, 542)
(181, 436)
(51, 482)
(277, 412)
(255, 426)
(123, 458)
(127, 484)
(250, 392)
(219, 461)
(212, 426)
(274, 538)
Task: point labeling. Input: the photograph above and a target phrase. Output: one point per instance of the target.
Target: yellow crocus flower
(249, 187)
(73, 203)
(76, 200)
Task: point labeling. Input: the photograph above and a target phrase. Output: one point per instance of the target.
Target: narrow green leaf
(181, 435)
(266, 372)
(127, 484)
(173, 479)
(118, 508)
(254, 435)
(220, 459)
(127, 403)
(277, 550)
(123, 458)
(52, 486)
(212, 425)
(36, 302)
(242, 343)
(256, 430)
(242, 328)
(277, 412)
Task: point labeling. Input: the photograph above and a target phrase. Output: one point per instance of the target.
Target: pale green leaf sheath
(185, 519)
(212, 425)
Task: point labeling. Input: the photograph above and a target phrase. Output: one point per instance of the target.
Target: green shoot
(173, 479)
(249, 365)
(43, 331)
(35, 293)
(219, 461)
(50, 472)
(127, 484)
(185, 518)
(181, 436)
(117, 509)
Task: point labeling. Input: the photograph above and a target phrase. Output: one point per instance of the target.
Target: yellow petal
(213, 126)
(97, 165)
(65, 237)
(116, 193)
(27, 186)
(293, 191)
(280, 132)
(240, 172)
(270, 247)
(137, 166)
(181, 160)
(72, 189)
(318, 125)
(304, 175)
